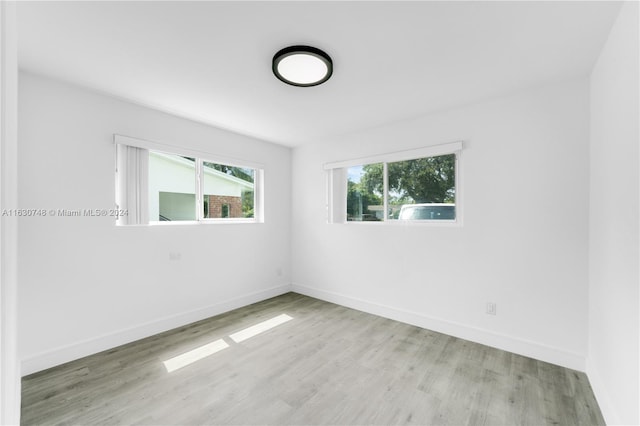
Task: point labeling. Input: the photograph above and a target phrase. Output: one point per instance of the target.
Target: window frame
(199, 157)
(337, 185)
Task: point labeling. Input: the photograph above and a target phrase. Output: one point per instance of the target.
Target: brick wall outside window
(216, 202)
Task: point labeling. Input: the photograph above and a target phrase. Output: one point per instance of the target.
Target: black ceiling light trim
(308, 51)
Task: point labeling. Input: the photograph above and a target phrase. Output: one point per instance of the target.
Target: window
(365, 193)
(229, 191)
(422, 188)
(172, 188)
(155, 186)
(418, 185)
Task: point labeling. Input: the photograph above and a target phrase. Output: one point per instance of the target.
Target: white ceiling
(211, 61)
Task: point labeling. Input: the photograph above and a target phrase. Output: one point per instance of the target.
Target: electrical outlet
(175, 255)
(491, 308)
(279, 272)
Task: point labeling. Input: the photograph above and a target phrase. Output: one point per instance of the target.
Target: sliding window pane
(172, 194)
(364, 193)
(228, 191)
(423, 189)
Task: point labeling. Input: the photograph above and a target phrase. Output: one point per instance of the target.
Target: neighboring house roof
(208, 170)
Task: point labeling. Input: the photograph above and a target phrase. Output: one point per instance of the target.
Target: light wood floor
(328, 365)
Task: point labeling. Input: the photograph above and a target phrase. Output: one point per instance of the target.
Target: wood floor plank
(327, 365)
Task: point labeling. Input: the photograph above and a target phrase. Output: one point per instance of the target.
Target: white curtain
(132, 186)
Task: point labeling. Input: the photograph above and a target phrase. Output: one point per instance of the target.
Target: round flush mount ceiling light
(302, 66)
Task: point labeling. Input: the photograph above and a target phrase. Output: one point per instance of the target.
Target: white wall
(523, 244)
(87, 285)
(9, 363)
(613, 227)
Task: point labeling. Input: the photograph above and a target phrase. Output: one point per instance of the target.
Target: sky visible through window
(355, 173)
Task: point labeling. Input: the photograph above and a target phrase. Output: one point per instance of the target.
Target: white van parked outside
(428, 211)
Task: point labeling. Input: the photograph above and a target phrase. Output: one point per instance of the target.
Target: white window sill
(191, 223)
(429, 223)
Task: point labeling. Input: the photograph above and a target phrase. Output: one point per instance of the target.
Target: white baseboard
(508, 343)
(97, 344)
(604, 401)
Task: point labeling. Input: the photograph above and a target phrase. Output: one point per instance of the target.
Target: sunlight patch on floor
(254, 330)
(194, 355)
(187, 358)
